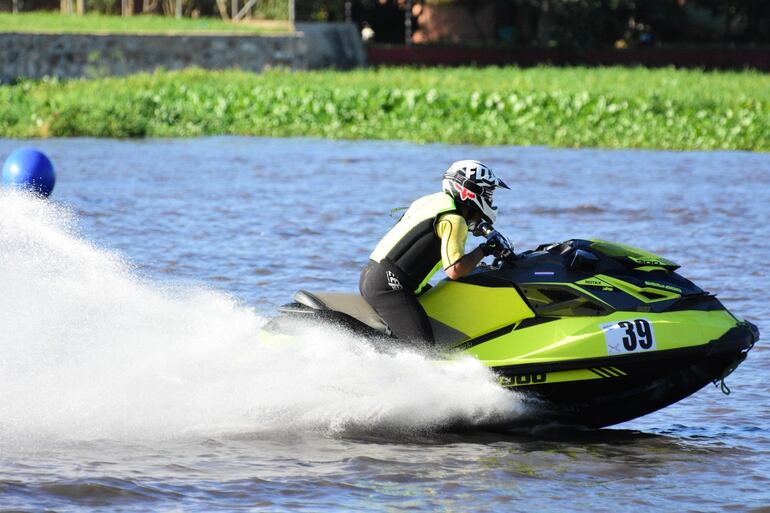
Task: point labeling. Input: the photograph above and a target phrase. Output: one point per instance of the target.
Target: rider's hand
(496, 245)
(487, 247)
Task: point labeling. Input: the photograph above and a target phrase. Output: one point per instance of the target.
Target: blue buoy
(28, 168)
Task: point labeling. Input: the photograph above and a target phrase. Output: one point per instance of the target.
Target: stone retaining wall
(313, 46)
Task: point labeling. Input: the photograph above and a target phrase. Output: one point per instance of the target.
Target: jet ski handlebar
(482, 229)
(504, 249)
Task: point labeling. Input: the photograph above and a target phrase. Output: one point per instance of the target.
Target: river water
(132, 377)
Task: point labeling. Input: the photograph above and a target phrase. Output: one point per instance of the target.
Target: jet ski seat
(353, 305)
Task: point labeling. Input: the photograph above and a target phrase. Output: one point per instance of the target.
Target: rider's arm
(453, 231)
(465, 265)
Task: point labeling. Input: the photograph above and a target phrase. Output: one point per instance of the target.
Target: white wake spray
(88, 349)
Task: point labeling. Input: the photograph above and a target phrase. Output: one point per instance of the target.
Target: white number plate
(631, 336)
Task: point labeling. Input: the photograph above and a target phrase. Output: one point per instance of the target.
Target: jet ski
(591, 333)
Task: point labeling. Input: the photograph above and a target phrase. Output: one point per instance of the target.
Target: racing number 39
(638, 332)
(629, 336)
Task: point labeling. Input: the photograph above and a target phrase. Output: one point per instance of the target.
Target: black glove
(496, 245)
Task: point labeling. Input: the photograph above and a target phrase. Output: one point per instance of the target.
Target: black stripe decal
(534, 321)
(483, 338)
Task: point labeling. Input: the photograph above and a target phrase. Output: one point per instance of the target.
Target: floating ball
(28, 168)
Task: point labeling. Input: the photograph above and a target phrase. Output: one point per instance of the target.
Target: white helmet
(471, 183)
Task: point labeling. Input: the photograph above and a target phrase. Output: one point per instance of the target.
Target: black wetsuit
(405, 259)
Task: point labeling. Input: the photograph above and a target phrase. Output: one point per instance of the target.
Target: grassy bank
(575, 107)
(41, 21)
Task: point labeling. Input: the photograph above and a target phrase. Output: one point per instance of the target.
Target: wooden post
(80, 7)
(244, 10)
(15, 6)
(127, 7)
(65, 6)
(291, 14)
(222, 7)
(233, 8)
(178, 9)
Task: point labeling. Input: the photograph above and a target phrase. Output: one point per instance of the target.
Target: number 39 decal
(629, 336)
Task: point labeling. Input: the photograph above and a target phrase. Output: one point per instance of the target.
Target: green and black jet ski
(591, 333)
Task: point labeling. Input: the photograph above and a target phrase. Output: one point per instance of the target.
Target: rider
(431, 234)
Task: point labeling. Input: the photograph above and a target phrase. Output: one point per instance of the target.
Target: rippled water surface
(132, 377)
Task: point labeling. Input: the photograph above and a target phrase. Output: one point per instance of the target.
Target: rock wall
(312, 46)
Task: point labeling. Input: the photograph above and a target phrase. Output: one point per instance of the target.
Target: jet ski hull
(605, 391)
(599, 392)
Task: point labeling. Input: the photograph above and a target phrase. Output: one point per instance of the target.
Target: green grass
(140, 24)
(570, 107)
